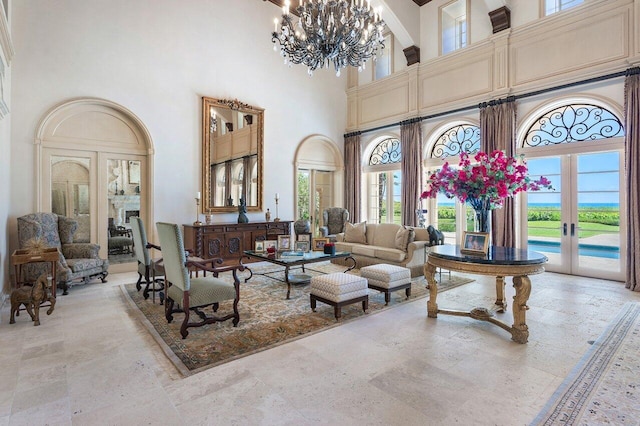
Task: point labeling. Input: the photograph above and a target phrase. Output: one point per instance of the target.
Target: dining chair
(185, 294)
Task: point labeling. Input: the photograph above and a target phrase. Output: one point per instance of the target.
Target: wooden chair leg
(138, 286)
(168, 309)
(183, 328)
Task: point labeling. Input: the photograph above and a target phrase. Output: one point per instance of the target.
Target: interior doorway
(95, 160)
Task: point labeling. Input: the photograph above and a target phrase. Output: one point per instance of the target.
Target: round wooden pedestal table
(499, 262)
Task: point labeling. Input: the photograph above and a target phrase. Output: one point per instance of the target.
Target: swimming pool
(593, 250)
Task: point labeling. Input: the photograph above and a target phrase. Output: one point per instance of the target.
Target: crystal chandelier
(342, 32)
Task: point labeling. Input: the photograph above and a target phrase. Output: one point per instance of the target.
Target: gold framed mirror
(232, 144)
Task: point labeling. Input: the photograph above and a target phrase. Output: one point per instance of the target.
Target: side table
(23, 257)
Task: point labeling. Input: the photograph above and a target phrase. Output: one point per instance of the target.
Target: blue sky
(597, 178)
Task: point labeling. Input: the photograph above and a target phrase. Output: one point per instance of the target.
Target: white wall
(5, 189)
(5, 168)
(157, 58)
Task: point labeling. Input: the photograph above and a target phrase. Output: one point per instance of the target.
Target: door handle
(573, 229)
(564, 229)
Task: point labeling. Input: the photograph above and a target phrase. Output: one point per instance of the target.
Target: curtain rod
(630, 71)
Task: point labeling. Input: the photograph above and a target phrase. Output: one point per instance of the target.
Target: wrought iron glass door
(579, 226)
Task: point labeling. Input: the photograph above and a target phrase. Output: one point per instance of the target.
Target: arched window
(447, 214)
(578, 144)
(573, 123)
(386, 152)
(384, 182)
(456, 140)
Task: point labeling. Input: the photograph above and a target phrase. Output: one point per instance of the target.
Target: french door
(70, 189)
(581, 224)
(93, 187)
(314, 193)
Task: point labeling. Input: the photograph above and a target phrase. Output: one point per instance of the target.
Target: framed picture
(284, 242)
(301, 246)
(318, 243)
(305, 237)
(270, 243)
(134, 172)
(475, 243)
(259, 247)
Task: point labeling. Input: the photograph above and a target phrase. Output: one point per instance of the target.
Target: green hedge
(446, 217)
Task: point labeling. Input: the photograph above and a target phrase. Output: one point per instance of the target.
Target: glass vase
(482, 209)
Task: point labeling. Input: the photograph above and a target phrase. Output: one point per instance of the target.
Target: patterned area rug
(267, 319)
(604, 388)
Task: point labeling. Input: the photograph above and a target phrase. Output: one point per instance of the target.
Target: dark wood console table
(230, 240)
(499, 262)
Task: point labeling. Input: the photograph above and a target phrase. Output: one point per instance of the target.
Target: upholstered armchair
(78, 261)
(185, 294)
(152, 270)
(333, 219)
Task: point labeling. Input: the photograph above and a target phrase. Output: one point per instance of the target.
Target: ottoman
(387, 278)
(339, 289)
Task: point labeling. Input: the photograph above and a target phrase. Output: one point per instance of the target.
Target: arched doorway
(578, 143)
(95, 163)
(319, 179)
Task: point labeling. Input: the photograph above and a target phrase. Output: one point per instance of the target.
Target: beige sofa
(382, 246)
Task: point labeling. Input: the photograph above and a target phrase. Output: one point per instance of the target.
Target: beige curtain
(246, 179)
(352, 175)
(227, 182)
(497, 131)
(411, 146)
(632, 174)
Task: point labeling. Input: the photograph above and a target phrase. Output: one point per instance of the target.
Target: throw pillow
(403, 237)
(355, 232)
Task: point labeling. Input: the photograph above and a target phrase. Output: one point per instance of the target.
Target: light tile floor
(91, 362)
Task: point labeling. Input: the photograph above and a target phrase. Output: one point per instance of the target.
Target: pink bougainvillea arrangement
(485, 182)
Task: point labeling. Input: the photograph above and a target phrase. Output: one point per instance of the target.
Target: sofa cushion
(364, 250)
(404, 236)
(384, 235)
(340, 246)
(390, 254)
(355, 233)
(421, 234)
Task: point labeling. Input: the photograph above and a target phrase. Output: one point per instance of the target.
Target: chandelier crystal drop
(338, 32)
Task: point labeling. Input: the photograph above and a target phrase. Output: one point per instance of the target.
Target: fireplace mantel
(123, 203)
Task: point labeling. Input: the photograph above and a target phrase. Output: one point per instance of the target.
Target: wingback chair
(334, 219)
(148, 268)
(78, 261)
(184, 294)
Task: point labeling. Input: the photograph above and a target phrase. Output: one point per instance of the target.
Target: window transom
(456, 140)
(573, 123)
(387, 151)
